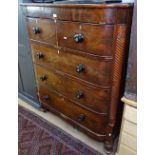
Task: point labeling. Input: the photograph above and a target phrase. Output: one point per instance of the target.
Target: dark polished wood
(104, 13)
(96, 99)
(93, 6)
(96, 71)
(45, 27)
(68, 108)
(121, 34)
(79, 53)
(97, 38)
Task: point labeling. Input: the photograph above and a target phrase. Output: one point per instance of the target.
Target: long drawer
(95, 13)
(42, 30)
(92, 69)
(90, 38)
(93, 98)
(92, 121)
(106, 15)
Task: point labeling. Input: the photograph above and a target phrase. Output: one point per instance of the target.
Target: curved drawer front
(91, 14)
(92, 70)
(95, 123)
(42, 30)
(90, 38)
(104, 15)
(96, 99)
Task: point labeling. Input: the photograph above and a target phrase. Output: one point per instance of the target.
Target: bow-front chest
(78, 53)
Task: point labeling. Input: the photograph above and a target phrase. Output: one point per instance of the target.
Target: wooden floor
(99, 146)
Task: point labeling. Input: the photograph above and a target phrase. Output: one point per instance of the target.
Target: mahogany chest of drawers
(78, 54)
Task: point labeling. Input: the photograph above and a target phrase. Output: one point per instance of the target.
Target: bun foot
(108, 146)
(43, 109)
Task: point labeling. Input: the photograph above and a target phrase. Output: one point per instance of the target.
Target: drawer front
(94, 98)
(90, 38)
(42, 30)
(94, 122)
(89, 69)
(92, 15)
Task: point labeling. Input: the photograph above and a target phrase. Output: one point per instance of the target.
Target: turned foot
(108, 146)
(43, 109)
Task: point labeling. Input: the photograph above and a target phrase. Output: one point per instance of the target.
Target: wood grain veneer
(97, 71)
(78, 54)
(70, 88)
(46, 30)
(97, 38)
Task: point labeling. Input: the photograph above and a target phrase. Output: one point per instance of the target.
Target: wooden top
(114, 5)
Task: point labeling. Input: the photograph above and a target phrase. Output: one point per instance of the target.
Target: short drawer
(89, 97)
(42, 30)
(89, 38)
(93, 70)
(93, 122)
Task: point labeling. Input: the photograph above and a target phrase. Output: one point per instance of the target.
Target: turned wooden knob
(46, 98)
(81, 117)
(43, 77)
(36, 30)
(40, 55)
(80, 68)
(79, 94)
(78, 38)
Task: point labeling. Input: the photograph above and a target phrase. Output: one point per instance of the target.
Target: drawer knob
(80, 68)
(36, 30)
(40, 55)
(79, 94)
(46, 98)
(81, 117)
(43, 78)
(78, 38)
